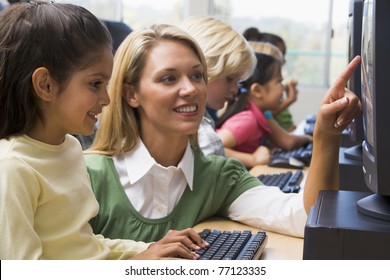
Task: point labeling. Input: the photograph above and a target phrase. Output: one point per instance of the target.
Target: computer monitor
(355, 129)
(376, 107)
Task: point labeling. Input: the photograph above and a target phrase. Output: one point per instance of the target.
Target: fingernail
(339, 123)
(345, 100)
(196, 247)
(196, 256)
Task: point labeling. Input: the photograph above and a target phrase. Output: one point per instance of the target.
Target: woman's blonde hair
(227, 52)
(119, 125)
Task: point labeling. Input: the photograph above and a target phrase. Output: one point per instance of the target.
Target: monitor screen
(367, 66)
(375, 96)
(355, 129)
(354, 40)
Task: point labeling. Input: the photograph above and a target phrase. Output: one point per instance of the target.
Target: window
(313, 57)
(305, 25)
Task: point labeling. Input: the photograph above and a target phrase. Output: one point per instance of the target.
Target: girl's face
(221, 90)
(74, 110)
(172, 92)
(274, 92)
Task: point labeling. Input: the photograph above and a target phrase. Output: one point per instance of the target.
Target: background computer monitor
(375, 88)
(355, 129)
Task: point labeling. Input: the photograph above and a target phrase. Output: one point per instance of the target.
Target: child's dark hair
(266, 68)
(274, 39)
(252, 34)
(61, 37)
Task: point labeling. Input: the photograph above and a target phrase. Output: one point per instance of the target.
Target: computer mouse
(285, 162)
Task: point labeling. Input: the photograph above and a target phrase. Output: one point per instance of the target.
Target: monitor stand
(375, 205)
(354, 153)
(351, 171)
(336, 230)
(346, 140)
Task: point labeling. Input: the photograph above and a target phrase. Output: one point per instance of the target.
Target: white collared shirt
(154, 191)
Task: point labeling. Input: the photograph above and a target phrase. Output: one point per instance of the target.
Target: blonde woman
(146, 168)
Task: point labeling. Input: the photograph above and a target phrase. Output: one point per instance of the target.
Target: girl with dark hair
(281, 113)
(244, 125)
(56, 63)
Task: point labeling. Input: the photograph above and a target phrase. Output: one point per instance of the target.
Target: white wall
(309, 100)
(197, 7)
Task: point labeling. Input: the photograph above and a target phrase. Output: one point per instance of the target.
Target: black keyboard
(232, 245)
(300, 155)
(288, 182)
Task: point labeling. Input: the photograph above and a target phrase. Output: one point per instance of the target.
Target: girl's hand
(175, 245)
(262, 155)
(188, 237)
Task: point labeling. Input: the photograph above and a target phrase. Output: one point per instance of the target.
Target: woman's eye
(168, 79)
(197, 76)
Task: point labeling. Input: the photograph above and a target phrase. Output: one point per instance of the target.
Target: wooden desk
(265, 169)
(279, 246)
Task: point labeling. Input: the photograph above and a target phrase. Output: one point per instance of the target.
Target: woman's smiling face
(172, 92)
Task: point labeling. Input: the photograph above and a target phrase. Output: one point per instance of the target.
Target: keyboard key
(302, 154)
(288, 182)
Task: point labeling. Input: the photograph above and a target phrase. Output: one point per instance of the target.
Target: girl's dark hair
(274, 39)
(61, 37)
(266, 68)
(252, 34)
(16, 1)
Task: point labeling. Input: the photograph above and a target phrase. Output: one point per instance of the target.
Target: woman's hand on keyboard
(175, 245)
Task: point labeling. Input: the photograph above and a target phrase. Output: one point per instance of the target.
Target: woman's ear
(43, 84)
(129, 95)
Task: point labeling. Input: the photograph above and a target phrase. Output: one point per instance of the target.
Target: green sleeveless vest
(217, 183)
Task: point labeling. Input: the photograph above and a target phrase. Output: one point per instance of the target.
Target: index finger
(343, 78)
